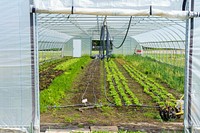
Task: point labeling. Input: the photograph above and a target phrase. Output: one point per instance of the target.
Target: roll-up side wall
(166, 44)
(50, 43)
(19, 103)
(192, 91)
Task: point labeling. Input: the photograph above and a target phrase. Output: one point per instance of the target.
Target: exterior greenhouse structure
(31, 30)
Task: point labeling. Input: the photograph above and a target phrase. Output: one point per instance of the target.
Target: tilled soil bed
(89, 85)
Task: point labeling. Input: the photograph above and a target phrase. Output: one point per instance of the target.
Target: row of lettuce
(152, 76)
(118, 86)
(145, 71)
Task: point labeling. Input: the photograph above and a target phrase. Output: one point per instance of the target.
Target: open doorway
(95, 47)
(163, 39)
(131, 87)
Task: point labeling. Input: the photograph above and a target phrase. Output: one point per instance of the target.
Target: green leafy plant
(169, 74)
(118, 85)
(61, 84)
(151, 87)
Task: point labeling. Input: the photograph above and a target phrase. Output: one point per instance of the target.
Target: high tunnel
(55, 31)
(30, 30)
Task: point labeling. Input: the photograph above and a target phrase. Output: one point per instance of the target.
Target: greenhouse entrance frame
(188, 121)
(19, 100)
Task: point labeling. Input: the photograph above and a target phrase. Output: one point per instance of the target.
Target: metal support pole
(32, 66)
(190, 66)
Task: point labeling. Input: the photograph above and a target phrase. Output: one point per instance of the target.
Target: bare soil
(47, 76)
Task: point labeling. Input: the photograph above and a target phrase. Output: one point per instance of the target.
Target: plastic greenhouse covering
(39, 30)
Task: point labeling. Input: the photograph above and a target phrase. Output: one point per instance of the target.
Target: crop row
(44, 66)
(118, 83)
(62, 83)
(171, 75)
(158, 93)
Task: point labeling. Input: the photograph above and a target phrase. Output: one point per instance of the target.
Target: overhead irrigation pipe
(116, 12)
(117, 47)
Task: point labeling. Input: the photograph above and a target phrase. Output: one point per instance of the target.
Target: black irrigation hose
(100, 105)
(90, 79)
(102, 43)
(184, 5)
(95, 97)
(124, 36)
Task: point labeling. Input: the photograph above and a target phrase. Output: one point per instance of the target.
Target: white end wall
(86, 44)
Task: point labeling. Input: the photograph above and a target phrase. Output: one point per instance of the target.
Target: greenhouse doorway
(95, 47)
(96, 94)
(160, 67)
(163, 32)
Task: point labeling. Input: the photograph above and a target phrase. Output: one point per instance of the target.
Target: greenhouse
(100, 62)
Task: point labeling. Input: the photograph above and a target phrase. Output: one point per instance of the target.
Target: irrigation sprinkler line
(101, 105)
(90, 80)
(95, 98)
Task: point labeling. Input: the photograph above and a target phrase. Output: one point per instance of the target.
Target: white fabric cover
(16, 84)
(164, 8)
(193, 124)
(166, 37)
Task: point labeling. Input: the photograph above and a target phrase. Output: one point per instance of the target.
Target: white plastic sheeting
(192, 90)
(171, 32)
(46, 38)
(150, 22)
(165, 8)
(150, 26)
(172, 37)
(19, 107)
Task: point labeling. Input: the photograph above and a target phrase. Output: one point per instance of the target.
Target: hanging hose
(184, 5)
(102, 43)
(125, 35)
